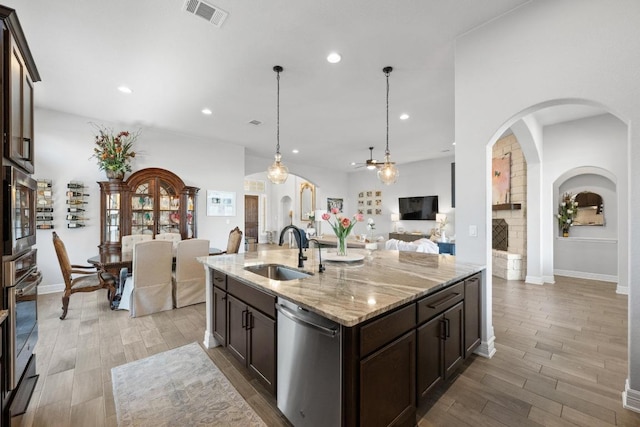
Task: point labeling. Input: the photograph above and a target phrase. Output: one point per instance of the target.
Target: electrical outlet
(473, 230)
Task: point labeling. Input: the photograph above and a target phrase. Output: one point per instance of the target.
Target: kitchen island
(407, 321)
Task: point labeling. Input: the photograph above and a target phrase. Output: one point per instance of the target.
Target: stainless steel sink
(277, 272)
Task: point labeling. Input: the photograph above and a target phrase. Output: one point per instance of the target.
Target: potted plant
(567, 211)
(114, 151)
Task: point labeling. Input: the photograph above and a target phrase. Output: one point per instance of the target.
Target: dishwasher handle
(287, 312)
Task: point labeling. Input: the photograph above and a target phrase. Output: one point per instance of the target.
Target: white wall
(64, 144)
(424, 178)
(547, 51)
(571, 149)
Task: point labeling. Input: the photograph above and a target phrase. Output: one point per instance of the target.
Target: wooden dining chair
(148, 289)
(189, 277)
(233, 244)
(80, 278)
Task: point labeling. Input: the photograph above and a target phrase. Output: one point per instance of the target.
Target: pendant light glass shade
(389, 173)
(277, 172)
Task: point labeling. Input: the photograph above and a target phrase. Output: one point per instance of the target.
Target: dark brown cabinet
(472, 306)
(20, 75)
(150, 201)
(388, 384)
(244, 322)
(220, 315)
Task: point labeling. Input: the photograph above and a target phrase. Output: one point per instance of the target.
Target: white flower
(563, 204)
(569, 211)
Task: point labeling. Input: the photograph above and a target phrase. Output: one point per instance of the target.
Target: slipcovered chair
(128, 242)
(174, 238)
(148, 289)
(79, 278)
(233, 244)
(189, 277)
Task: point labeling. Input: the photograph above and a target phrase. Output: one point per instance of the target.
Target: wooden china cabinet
(151, 201)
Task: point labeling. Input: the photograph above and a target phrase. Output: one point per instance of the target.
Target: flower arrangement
(567, 211)
(342, 226)
(114, 151)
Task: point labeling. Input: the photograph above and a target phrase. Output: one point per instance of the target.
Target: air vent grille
(209, 12)
(255, 122)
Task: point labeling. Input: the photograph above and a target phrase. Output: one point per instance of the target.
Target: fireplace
(500, 235)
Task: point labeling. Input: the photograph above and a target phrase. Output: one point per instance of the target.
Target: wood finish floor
(560, 360)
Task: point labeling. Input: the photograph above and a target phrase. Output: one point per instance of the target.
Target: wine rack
(76, 204)
(44, 205)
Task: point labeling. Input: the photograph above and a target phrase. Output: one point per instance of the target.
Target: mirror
(590, 209)
(307, 200)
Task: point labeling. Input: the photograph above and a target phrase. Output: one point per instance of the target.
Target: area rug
(179, 387)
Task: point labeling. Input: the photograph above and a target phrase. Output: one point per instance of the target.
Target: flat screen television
(418, 208)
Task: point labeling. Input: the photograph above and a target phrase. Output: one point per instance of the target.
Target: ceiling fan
(370, 163)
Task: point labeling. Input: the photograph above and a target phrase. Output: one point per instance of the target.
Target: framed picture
(221, 203)
(333, 202)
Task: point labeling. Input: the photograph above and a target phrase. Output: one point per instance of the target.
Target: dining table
(114, 262)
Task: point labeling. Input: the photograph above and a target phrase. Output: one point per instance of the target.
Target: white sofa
(420, 245)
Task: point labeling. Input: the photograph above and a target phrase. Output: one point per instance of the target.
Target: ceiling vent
(207, 11)
(255, 122)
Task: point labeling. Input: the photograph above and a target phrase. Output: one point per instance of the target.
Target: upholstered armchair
(79, 278)
(189, 277)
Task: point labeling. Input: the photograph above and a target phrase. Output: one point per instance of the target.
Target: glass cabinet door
(169, 209)
(112, 223)
(142, 209)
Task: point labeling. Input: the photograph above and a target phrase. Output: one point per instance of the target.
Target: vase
(565, 234)
(341, 246)
(114, 175)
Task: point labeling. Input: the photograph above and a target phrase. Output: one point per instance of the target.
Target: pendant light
(277, 172)
(388, 174)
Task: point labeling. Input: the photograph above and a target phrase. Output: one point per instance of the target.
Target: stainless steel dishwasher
(309, 367)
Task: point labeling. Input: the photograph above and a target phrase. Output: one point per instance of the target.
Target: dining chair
(128, 242)
(148, 289)
(174, 238)
(79, 278)
(233, 244)
(189, 277)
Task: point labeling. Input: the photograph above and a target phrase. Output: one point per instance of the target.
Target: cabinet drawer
(382, 331)
(260, 300)
(440, 301)
(220, 279)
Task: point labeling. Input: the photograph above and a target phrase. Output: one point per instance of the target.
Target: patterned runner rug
(179, 387)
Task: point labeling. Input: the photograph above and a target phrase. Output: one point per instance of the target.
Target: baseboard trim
(622, 290)
(591, 276)
(50, 289)
(534, 280)
(630, 398)
(487, 348)
(549, 279)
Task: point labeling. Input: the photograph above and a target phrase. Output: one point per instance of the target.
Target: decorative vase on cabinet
(150, 201)
(114, 175)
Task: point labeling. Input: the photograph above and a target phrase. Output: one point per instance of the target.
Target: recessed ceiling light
(353, 163)
(125, 89)
(295, 151)
(404, 116)
(454, 143)
(334, 58)
(207, 111)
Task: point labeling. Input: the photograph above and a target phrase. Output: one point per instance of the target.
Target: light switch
(473, 230)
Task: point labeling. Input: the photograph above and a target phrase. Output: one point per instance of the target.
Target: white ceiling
(178, 64)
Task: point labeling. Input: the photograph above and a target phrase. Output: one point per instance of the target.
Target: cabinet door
(262, 348)
(471, 314)
(388, 384)
(429, 364)
(453, 342)
(237, 312)
(220, 315)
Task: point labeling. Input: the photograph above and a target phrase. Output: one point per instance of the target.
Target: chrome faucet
(320, 266)
(301, 257)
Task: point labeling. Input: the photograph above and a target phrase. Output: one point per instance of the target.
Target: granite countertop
(349, 293)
